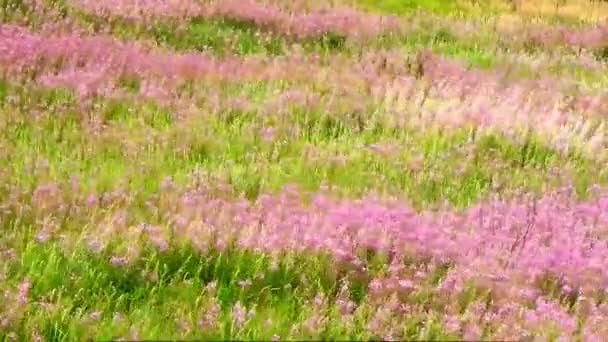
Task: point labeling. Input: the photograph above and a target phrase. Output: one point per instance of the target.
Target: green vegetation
(143, 144)
(117, 213)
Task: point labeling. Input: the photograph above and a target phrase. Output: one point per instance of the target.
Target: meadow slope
(288, 170)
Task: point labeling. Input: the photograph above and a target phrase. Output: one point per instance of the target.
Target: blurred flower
(24, 291)
(239, 315)
(119, 261)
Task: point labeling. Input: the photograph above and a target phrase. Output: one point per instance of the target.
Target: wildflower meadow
(303, 170)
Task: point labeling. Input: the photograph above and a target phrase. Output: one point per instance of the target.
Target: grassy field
(288, 170)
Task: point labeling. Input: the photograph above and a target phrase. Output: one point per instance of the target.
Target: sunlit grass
(571, 12)
(143, 144)
(125, 151)
(167, 296)
(443, 7)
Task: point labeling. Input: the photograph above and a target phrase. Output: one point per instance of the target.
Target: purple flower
(406, 284)
(239, 315)
(119, 261)
(95, 315)
(24, 291)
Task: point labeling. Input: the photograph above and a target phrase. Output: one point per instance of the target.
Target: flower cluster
(346, 21)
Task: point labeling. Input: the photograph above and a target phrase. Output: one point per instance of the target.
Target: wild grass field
(303, 170)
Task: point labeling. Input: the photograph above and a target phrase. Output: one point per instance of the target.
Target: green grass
(404, 7)
(223, 37)
(216, 36)
(161, 293)
(143, 144)
(47, 137)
